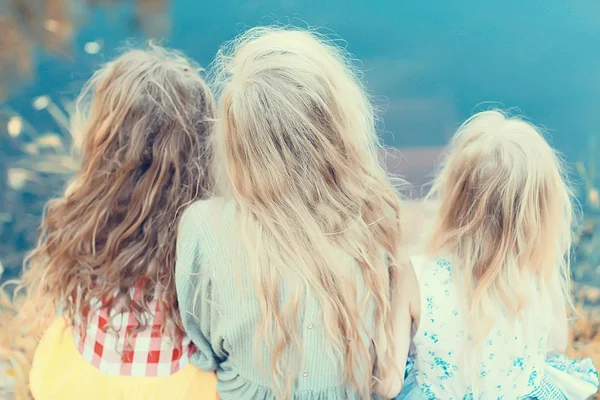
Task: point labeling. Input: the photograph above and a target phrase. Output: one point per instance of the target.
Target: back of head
(293, 104)
(141, 128)
(505, 213)
(299, 145)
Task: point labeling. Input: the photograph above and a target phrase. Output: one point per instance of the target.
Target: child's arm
(193, 290)
(403, 300)
(559, 335)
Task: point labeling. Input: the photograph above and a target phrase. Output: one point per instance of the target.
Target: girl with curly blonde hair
(106, 253)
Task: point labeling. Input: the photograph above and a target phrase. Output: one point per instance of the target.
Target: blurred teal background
(429, 65)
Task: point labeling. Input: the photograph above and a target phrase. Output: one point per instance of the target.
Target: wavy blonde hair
(506, 213)
(142, 127)
(298, 143)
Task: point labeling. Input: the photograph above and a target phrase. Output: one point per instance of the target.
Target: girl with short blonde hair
(487, 302)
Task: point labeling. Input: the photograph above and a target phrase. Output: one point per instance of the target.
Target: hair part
(298, 144)
(141, 127)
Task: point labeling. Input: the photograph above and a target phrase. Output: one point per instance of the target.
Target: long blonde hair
(506, 213)
(298, 143)
(142, 128)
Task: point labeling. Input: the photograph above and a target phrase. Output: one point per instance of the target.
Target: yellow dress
(60, 372)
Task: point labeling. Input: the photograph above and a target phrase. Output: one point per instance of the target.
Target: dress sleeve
(194, 289)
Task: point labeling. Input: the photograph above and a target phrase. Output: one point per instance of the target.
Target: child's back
(509, 362)
(489, 298)
(106, 255)
(210, 232)
(286, 285)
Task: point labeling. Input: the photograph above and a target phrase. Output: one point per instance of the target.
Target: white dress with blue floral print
(510, 367)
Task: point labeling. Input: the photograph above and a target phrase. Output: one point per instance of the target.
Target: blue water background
(430, 64)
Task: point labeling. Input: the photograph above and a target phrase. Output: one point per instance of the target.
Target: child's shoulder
(423, 264)
(422, 260)
(207, 208)
(201, 215)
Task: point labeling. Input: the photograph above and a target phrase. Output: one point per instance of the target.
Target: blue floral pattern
(546, 389)
(509, 368)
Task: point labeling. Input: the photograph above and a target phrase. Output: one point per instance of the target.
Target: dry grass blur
(50, 25)
(585, 338)
(16, 353)
(33, 168)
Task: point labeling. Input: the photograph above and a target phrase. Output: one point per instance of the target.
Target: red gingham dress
(148, 354)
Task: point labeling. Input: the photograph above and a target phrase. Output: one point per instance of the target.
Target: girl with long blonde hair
(488, 300)
(106, 254)
(284, 281)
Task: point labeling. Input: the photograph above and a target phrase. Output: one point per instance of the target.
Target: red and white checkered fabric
(147, 354)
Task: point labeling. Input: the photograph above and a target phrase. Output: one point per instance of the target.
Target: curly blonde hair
(141, 125)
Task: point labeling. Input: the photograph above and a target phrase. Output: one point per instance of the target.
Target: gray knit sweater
(220, 313)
